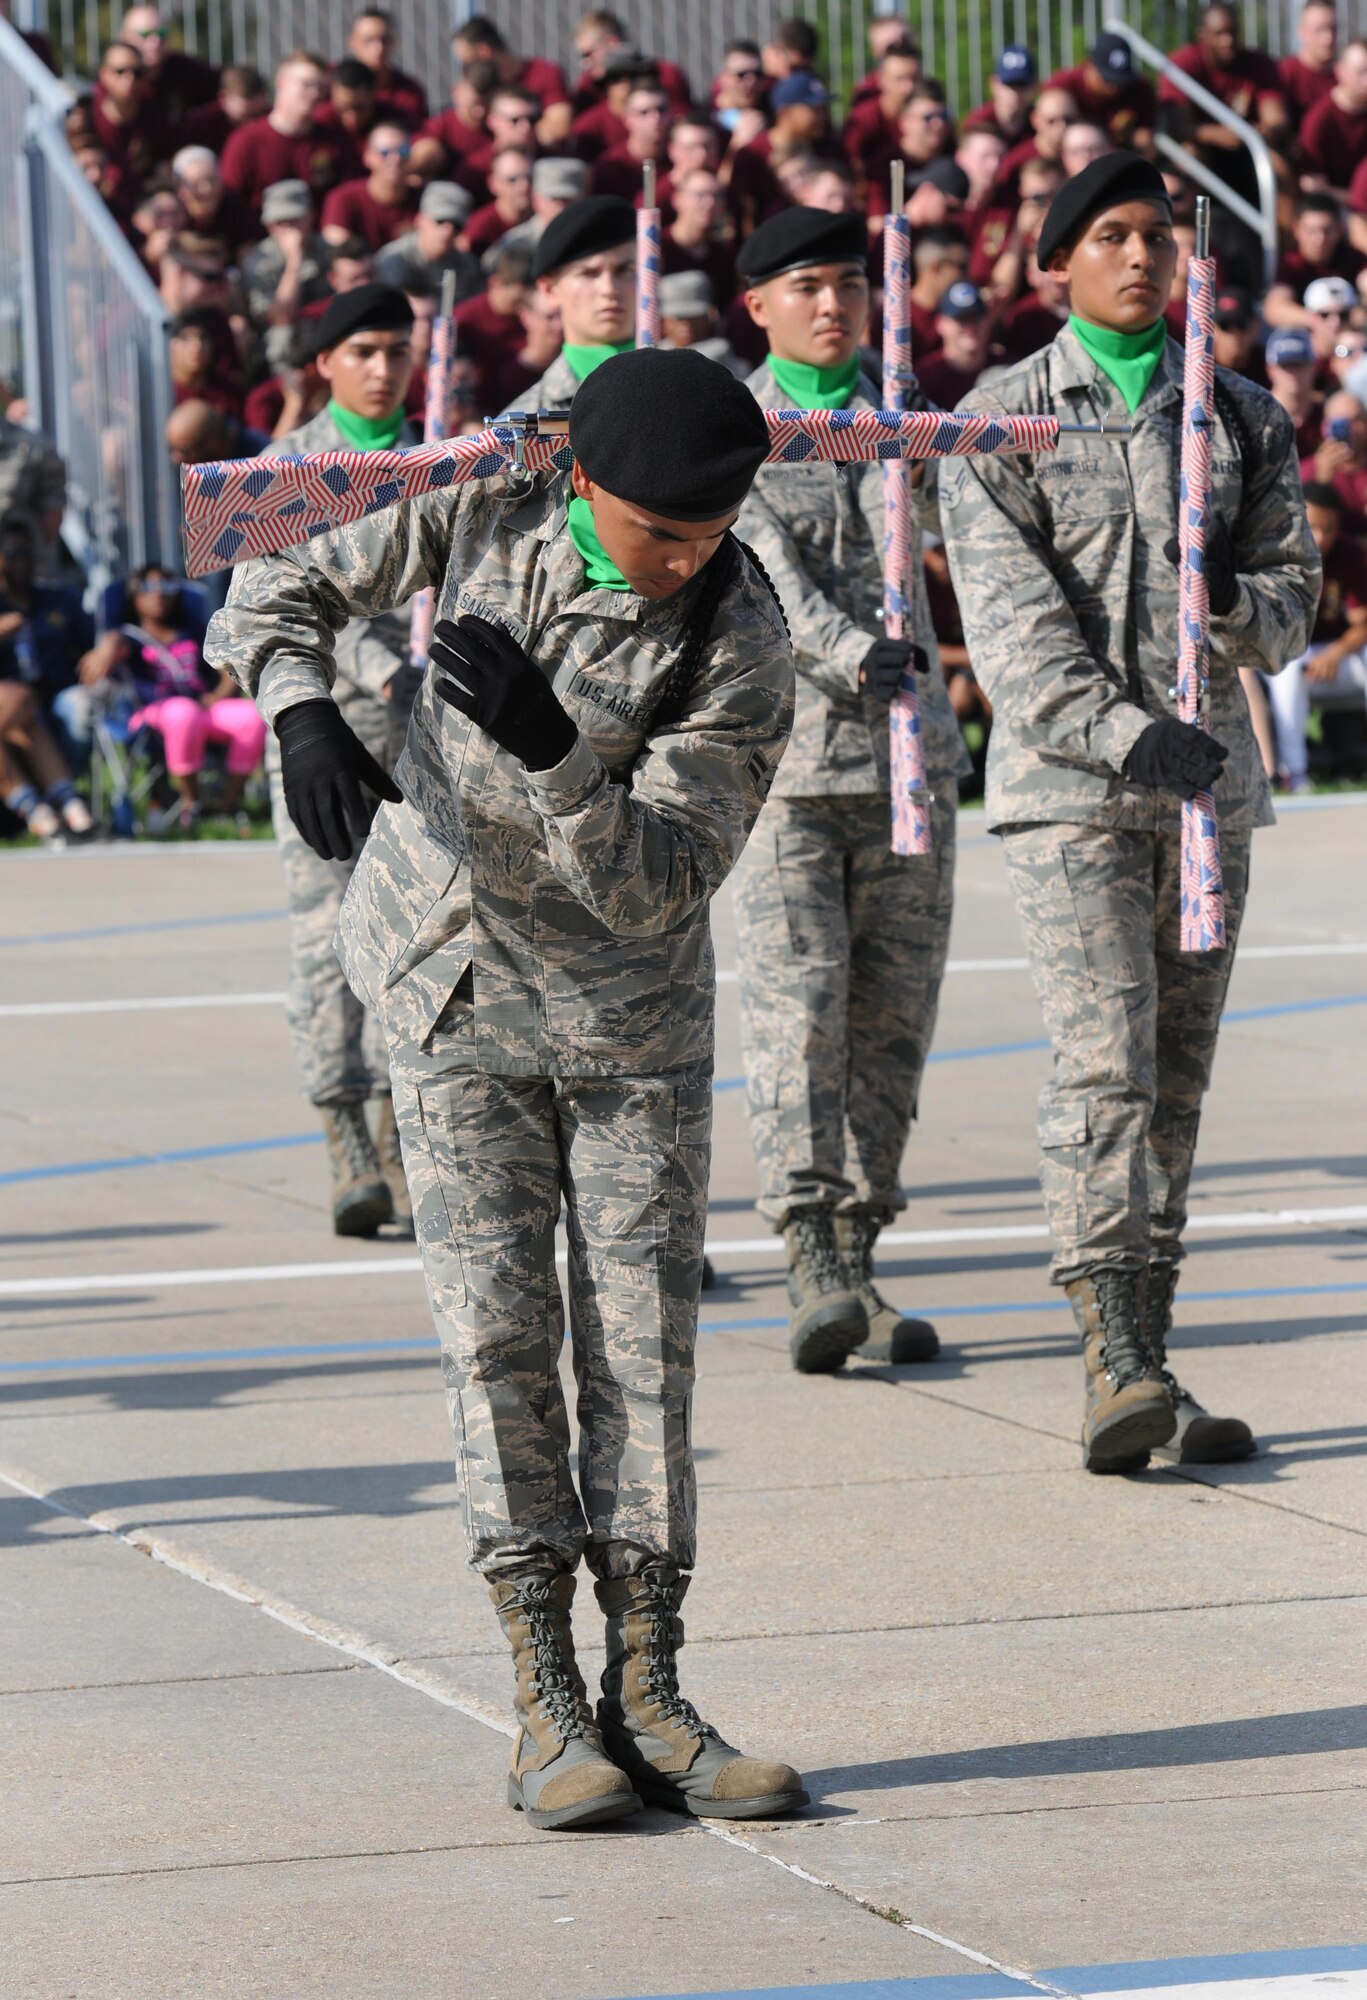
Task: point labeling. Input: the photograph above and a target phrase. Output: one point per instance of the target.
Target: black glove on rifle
(882, 667)
(484, 673)
(1176, 757)
(323, 766)
(1222, 575)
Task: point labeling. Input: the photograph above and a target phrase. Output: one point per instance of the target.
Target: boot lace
(815, 1233)
(1124, 1353)
(662, 1666)
(1158, 1298)
(555, 1680)
(860, 1239)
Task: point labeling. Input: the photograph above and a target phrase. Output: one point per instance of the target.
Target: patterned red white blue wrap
(648, 256)
(1203, 900)
(239, 508)
(911, 817)
(436, 422)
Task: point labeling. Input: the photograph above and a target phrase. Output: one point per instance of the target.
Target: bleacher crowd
(253, 203)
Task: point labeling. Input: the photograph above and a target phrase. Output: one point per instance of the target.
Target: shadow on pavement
(200, 1388)
(1315, 1732)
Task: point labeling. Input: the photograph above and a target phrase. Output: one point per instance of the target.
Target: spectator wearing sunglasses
(135, 136)
(382, 206)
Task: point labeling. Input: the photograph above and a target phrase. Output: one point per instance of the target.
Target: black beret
(584, 229)
(1105, 183)
(369, 309)
(670, 431)
(798, 236)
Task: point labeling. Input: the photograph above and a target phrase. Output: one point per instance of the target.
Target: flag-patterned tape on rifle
(238, 508)
(648, 254)
(1203, 897)
(436, 423)
(911, 821)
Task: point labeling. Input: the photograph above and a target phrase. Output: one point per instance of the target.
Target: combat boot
(361, 1200)
(391, 1164)
(1199, 1439)
(892, 1335)
(1129, 1410)
(560, 1774)
(671, 1755)
(828, 1320)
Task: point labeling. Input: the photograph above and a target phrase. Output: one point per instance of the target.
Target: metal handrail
(1262, 220)
(38, 80)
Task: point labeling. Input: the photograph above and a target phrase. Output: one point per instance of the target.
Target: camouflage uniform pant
(489, 1161)
(339, 1048)
(842, 950)
(1133, 1022)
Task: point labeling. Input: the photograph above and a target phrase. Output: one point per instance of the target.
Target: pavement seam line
(887, 1916)
(351, 1646)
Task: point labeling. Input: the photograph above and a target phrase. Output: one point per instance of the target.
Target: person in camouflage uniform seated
(609, 693)
(842, 943)
(1065, 567)
(363, 354)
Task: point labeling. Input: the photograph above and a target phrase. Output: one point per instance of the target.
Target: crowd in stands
(253, 202)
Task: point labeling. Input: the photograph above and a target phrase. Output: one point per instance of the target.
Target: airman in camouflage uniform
(536, 943)
(1064, 571)
(339, 1050)
(842, 943)
(584, 264)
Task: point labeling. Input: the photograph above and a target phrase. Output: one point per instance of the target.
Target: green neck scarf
(583, 360)
(366, 433)
(600, 571)
(815, 388)
(1127, 359)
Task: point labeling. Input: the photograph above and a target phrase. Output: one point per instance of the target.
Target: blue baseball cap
(963, 300)
(799, 88)
(1016, 65)
(1112, 58)
(1290, 347)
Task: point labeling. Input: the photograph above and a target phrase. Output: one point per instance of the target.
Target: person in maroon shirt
(352, 105)
(601, 42)
(462, 128)
(174, 83)
(693, 146)
(380, 207)
(603, 125)
(1308, 75)
(740, 93)
(1340, 458)
(871, 131)
(489, 329)
(1012, 94)
(242, 94)
(883, 30)
(479, 40)
(1318, 249)
(802, 125)
(511, 121)
(372, 41)
(693, 240)
(963, 333)
(1236, 335)
(1292, 366)
(939, 260)
(1052, 112)
(1333, 139)
(287, 145)
(540, 317)
(1246, 82)
(1038, 315)
(510, 185)
(197, 372)
(1108, 91)
(210, 208)
(135, 137)
(620, 170)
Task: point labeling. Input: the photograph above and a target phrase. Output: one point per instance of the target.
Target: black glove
(1222, 575)
(489, 678)
(1176, 757)
(882, 667)
(323, 766)
(405, 686)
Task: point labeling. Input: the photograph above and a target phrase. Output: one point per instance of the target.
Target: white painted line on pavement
(717, 1246)
(43, 1009)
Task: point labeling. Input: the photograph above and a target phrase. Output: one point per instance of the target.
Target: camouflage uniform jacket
(32, 476)
(579, 894)
(818, 530)
(369, 650)
(1070, 605)
(555, 390)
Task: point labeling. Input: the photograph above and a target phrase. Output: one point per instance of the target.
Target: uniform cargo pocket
(1063, 1169)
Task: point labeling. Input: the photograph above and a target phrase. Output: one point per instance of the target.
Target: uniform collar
(763, 385)
(1074, 370)
(544, 519)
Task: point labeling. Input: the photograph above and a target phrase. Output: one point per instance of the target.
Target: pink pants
(186, 728)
